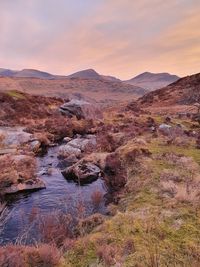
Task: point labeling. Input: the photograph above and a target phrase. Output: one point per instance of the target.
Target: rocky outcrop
(81, 110)
(29, 185)
(13, 137)
(82, 172)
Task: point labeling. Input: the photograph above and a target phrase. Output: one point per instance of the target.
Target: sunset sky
(115, 37)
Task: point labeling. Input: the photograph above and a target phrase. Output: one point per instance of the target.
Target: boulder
(67, 162)
(67, 150)
(82, 172)
(80, 109)
(77, 146)
(173, 131)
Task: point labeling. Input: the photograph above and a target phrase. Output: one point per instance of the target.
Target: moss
(83, 254)
(156, 148)
(16, 94)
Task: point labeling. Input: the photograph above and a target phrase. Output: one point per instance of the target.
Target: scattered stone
(67, 139)
(165, 129)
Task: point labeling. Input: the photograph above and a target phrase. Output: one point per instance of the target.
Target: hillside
(182, 92)
(99, 89)
(152, 81)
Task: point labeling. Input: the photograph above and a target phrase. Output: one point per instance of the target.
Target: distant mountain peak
(85, 74)
(152, 81)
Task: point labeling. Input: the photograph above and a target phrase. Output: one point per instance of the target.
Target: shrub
(55, 227)
(108, 254)
(96, 198)
(115, 172)
(85, 226)
(44, 255)
(12, 256)
(15, 169)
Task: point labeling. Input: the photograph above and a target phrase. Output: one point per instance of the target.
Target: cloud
(119, 37)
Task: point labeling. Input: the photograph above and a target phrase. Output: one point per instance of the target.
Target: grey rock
(82, 173)
(67, 150)
(81, 109)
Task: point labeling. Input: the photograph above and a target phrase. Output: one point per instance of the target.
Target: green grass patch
(16, 94)
(156, 148)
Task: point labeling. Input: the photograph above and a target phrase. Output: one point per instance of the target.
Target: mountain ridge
(152, 81)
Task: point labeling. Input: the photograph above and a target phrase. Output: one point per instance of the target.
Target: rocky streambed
(69, 182)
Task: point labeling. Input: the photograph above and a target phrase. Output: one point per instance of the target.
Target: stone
(77, 146)
(165, 129)
(67, 150)
(67, 139)
(69, 161)
(81, 109)
(82, 172)
(82, 143)
(14, 137)
(35, 146)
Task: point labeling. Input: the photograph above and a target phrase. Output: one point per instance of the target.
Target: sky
(115, 37)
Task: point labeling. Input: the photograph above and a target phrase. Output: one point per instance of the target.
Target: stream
(59, 195)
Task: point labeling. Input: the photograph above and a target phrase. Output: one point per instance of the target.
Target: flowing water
(59, 194)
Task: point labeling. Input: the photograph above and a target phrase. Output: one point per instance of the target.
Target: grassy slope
(148, 228)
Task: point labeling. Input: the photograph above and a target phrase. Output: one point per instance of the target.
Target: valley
(88, 184)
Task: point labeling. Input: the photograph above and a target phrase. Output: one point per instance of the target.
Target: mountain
(87, 84)
(26, 73)
(153, 81)
(182, 92)
(92, 74)
(7, 72)
(85, 74)
(31, 73)
(102, 90)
